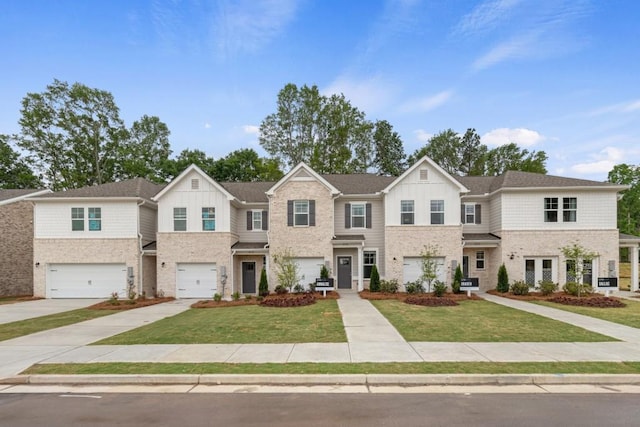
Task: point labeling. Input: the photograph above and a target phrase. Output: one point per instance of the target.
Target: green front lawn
(43, 323)
(319, 322)
(338, 368)
(479, 321)
(629, 315)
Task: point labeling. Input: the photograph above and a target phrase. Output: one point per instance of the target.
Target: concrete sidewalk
(43, 307)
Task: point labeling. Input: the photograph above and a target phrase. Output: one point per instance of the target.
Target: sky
(561, 76)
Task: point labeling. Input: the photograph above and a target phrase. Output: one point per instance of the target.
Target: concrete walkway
(43, 307)
(371, 338)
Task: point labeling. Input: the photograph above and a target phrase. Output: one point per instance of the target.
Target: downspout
(140, 276)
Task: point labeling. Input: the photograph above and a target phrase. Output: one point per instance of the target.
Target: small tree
(503, 279)
(263, 288)
(324, 272)
(575, 256)
(374, 281)
(287, 270)
(429, 265)
(457, 280)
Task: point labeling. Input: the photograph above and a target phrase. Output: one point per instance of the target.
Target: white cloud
(519, 47)
(368, 95)
(620, 108)
(602, 162)
(486, 16)
(207, 125)
(521, 136)
(422, 135)
(427, 103)
(251, 129)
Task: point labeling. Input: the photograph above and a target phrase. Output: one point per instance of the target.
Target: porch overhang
(480, 240)
(348, 240)
(250, 248)
(632, 242)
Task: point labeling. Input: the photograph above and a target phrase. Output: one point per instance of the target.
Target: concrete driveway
(43, 307)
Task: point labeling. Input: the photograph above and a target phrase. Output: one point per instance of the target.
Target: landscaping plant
(457, 280)
(414, 287)
(503, 280)
(519, 288)
(389, 286)
(576, 256)
(429, 265)
(374, 281)
(547, 287)
(263, 287)
(439, 288)
(287, 270)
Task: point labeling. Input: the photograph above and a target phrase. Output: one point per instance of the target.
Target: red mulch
(215, 304)
(403, 296)
(430, 301)
(125, 304)
(587, 300)
(288, 300)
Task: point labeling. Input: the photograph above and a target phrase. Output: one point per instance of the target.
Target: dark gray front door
(344, 272)
(465, 266)
(248, 277)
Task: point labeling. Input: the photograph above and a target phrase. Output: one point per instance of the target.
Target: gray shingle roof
(252, 192)
(136, 187)
(11, 193)
(359, 183)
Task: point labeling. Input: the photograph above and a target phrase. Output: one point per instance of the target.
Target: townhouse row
(195, 237)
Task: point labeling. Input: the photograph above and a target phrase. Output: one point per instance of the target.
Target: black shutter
(290, 213)
(367, 218)
(249, 220)
(312, 213)
(462, 213)
(265, 220)
(478, 214)
(347, 215)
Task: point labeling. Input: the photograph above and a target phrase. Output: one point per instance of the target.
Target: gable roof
(308, 170)
(13, 195)
(187, 171)
(250, 192)
(434, 165)
(130, 188)
(359, 183)
(480, 185)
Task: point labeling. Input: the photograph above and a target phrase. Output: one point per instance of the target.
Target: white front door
(196, 280)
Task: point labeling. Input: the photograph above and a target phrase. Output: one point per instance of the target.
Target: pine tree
(457, 279)
(263, 288)
(374, 282)
(503, 279)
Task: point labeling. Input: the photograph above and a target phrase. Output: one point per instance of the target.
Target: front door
(248, 277)
(344, 272)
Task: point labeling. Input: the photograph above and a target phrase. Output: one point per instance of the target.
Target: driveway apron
(43, 307)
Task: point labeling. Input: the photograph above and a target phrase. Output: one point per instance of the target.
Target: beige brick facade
(175, 248)
(409, 241)
(312, 241)
(82, 251)
(16, 250)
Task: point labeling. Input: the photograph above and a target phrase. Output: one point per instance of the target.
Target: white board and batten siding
(196, 280)
(184, 196)
(53, 220)
(86, 280)
(436, 187)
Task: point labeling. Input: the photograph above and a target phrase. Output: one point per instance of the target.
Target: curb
(311, 380)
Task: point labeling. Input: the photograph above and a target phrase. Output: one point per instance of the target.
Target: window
(550, 209)
(95, 219)
(547, 270)
(208, 219)
(368, 261)
(424, 174)
(406, 212)
(569, 209)
(256, 220)
(300, 213)
(469, 214)
(179, 219)
(437, 212)
(480, 260)
(77, 219)
(357, 215)
(195, 184)
(530, 272)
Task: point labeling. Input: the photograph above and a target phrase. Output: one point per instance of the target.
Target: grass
(43, 323)
(339, 368)
(629, 315)
(319, 322)
(11, 300)
(479, 321)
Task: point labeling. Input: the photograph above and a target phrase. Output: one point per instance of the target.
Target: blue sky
(555, 75)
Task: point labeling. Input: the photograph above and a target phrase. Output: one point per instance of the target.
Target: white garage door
(197, 280)
(309, 270)
(86, 280)
(412, 269)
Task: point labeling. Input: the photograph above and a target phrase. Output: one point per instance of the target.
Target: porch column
(360, 269)
(633, 255)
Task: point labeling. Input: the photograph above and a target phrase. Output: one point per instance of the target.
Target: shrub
(248, 297)
(389, 286)
(312, 286)
(374, 281)
(217, 297)
(263, 288)
(281, 289)
(547, 287)
(439, 288)
(324, 272)
(503, 279)
(113, 299)
(259, 298)
(298, 288)
(575, 289)
(414, 287)
(235, 296)
(519, 288)
(457, 279)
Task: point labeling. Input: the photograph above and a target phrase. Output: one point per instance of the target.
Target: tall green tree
(511, 157)
(171, 168)
(246, 166)
(472, 154)
(443, 148)
(389, 153)
(145, 150)
(14, 170)
(72, 134)
(629, 203)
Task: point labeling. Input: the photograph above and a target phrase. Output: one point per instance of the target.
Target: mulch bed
(273, 300)
(209, 303)
(430, 301)
(126, 304)
(587, 300)
(288, 300)
(403, 296)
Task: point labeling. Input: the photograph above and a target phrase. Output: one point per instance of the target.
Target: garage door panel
(196, 280)
(86, 280)
(412, 269)
(309, 270)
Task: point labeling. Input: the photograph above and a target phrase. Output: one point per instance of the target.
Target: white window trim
(376, 263)
(295, 213)
(180, 219)
(203, 219)
(483, 259)
(468, 214)
(363, 216)
(431, 211)
(574, 210)
(556, 210)
(412, 211)
(254, 219)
